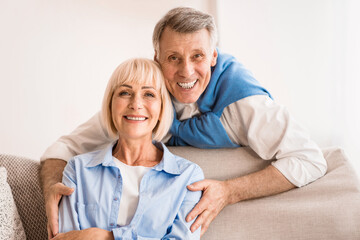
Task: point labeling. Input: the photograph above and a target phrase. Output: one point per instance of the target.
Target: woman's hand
(88, 234)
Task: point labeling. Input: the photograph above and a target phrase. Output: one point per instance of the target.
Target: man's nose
(186, 69)
(136, 102)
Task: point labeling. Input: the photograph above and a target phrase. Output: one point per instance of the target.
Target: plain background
(57, 56)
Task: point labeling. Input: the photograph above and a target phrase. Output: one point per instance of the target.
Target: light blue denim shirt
(164, 200)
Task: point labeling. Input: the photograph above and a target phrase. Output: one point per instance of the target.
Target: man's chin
(187, 99)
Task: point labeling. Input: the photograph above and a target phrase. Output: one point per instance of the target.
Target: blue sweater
(229, 82)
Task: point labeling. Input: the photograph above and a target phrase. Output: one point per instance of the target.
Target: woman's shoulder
(183, 164)
(91, 158)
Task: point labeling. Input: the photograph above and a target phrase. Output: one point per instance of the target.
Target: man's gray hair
(185, 20)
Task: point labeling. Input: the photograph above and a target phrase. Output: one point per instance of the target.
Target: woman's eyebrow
(143, 87)
(125, 85)
(147, 87)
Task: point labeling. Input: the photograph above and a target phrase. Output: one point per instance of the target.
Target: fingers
(50, 235)
(54, 225)
(213, 200)
(198, 186)
(200, 220)
(197, 210)
(61, 189)
(52, 201)
(206, 224)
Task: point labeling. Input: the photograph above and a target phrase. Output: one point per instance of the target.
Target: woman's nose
(136, 102)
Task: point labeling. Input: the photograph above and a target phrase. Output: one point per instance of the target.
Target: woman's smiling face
(136, 110)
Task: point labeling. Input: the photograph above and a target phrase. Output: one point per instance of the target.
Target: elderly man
(218, 104)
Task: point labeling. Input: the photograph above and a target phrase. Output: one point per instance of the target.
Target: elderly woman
(134, 188)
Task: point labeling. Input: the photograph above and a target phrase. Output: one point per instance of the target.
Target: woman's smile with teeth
(135, 118)
(187, 85)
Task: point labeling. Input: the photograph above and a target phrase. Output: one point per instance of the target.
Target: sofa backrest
(326, 209)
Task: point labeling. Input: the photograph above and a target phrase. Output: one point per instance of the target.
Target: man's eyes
(177, 59)
(173, 58)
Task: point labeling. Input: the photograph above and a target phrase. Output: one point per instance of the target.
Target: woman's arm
(88, 234)
(68, 216)
(180, 229)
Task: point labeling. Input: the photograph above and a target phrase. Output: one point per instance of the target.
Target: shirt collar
(103, 157)
(167, 164)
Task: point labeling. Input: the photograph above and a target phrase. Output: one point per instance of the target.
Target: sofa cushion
(23, 178)
(10, 223)
(328, 208)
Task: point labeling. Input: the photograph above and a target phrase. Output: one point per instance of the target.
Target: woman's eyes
(149, 94)
(146, 94)
(124, 93)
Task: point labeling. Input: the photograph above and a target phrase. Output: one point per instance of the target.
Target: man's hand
(218, 194)
(214, 199)
(51, 175)
(86, 234)
(52, 199)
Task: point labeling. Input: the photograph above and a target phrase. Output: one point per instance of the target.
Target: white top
(131, 177)
(255, 121)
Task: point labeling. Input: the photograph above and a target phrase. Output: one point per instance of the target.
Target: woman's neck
(137, 153)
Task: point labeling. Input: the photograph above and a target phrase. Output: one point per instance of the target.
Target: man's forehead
(175, 42)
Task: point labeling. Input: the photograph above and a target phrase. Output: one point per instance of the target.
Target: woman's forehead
(143, 83)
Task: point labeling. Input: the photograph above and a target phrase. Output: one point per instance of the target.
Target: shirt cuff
(299, 172)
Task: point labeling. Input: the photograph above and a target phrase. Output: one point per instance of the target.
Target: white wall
(57, 56)
(307, 54)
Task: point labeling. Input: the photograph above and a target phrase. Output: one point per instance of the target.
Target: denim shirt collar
(167, 164)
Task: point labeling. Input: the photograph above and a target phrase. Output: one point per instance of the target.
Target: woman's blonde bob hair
(139, 71)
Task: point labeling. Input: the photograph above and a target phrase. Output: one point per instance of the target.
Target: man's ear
(155, 57)
(214, 58)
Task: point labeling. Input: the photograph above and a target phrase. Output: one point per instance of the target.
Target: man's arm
(268, 129)
(218, 194)
(87, 137)
(53, 189)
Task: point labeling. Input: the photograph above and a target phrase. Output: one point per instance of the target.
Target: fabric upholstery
(23, 178)
(10, 223)
(326, 209)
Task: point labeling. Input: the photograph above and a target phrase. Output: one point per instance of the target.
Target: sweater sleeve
(87, 137)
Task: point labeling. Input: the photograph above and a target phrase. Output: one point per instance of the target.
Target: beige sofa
(326, 209)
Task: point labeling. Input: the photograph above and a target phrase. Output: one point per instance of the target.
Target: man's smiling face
(186, 60)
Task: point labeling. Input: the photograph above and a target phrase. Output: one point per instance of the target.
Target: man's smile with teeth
(187, 85)
(135, 118)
